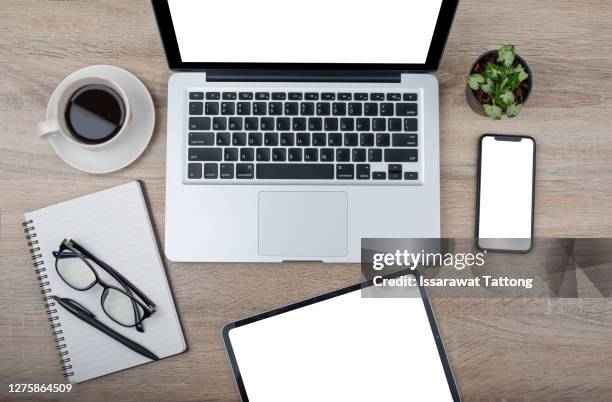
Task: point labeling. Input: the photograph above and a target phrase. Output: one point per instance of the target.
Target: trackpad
(303, 223)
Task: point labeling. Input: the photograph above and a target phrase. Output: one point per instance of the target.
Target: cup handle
(47, 127)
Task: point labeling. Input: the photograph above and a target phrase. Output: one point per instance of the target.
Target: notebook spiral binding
(40, 269)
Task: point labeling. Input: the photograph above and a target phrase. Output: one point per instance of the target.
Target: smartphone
(505, 198)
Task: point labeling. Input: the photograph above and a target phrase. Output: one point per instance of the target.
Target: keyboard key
(262, 96)
(328, 96)
(239, 139)
(307, 108)
(194, 170)
(254, 139)
(305, 171)
(315, 124)
(345, 171)
(395, 124)
(245, 95)
(327, 155)
(379, 124)
(386, 109)
(229, 96)
(245, 170)
(247, 154)
(363, 171)
(379, 175)
(401, 155)
(410, 97)
(213, 95)
(283, 123)
(354, 109)
(361, 96)
(292, 108)
(382, 140)
(311, 154)
(358, 155)
(411, 175)
(323, 108)
(345, 96)
(196, 108)
(223, 138)
(279, 96)
(374, 155)
(404, 140)
(271, 139)
(334, 139)
(347, 124)
(298, 124)
(363, 124)
(199, 123)
(204, 154)
(410, 125)
(395, 171)
(262, 154)
(351, 140)
(219, 123)
(201, 139)
(259, 108)
(266, 123)
(339, 109)
(366, 140)
(227, 170)
(319, 139)
(243, 108)
(312, 96)
(330, 124)
(406, 109)
(275, 108)
(211, 170)
(279, 154)
(370, 109)
(196, 95)
(230, 154)
(228, 108)
(302, 139)
(287, 139)
(295, 96)
(377, 96)
(393, 97)
(212, 108)
(251, 123)
(235, 123)
(295, 155)
(343, 155)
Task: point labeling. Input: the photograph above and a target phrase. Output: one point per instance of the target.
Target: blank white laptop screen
(313, 31)
(346, 348)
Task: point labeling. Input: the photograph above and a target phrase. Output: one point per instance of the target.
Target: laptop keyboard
(301, 137)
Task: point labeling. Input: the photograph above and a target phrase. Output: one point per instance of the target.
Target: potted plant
(499, 83)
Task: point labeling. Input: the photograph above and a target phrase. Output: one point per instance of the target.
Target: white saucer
(130, 145)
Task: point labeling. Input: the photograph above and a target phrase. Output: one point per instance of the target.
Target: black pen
(87, 316)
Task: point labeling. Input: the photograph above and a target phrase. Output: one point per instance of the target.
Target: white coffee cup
(56, 122)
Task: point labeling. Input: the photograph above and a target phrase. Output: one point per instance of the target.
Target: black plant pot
(469, 93)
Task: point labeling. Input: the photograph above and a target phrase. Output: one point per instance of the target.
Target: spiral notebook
(114, 225)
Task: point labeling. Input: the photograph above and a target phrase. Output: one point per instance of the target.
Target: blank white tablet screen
(313, 31)
(347, 348)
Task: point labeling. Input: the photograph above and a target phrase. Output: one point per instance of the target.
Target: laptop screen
(313, 31)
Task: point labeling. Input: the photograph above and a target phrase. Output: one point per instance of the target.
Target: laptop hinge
(302, 76)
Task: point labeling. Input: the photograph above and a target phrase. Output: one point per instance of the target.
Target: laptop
(297, 128)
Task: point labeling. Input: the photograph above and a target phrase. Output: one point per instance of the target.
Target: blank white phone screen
(506, 192)
(313, 31)
(346, 348)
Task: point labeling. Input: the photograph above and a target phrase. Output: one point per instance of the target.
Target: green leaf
(487, 87)
(522, 74)
(493, 111)
(506, 55)
(474, 81)
(506, 98)
(514, 109)
(492, 71)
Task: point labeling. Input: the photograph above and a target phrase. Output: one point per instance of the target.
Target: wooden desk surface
(523, 349)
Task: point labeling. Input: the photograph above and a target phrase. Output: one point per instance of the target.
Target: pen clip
(76, 304)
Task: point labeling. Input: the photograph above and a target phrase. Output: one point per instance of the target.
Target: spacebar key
(307, 171)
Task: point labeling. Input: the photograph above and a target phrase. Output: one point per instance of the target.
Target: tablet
(341, 346)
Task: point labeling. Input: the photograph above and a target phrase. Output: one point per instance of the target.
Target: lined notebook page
(114, 225)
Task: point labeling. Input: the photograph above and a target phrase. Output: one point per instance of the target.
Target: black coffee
(95, 114)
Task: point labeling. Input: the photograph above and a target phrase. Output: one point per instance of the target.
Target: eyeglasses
(127, 307)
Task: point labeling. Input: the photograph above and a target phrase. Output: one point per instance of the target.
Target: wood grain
(517, 350)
